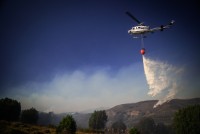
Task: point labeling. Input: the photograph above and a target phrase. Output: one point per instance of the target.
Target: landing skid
(136, 37)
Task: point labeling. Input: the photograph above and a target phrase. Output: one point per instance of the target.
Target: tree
(9, 109)
(146, 125)
(29, 116)
(160, 128)
(67, 125)
(134, 131)
(187, 120)
(98, 120)
(46, 118)
(118, 126)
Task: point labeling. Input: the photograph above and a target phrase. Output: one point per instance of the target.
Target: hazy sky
(74, 55)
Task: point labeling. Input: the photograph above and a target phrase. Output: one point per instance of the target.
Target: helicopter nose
(129, 31)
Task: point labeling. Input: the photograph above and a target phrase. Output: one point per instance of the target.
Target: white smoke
(161, 77)
(80, 90)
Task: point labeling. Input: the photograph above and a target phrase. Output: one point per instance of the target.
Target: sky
(75, 55)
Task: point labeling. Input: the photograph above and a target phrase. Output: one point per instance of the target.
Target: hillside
(131, 113)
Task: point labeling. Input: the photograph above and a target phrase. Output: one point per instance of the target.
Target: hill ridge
(131, 113)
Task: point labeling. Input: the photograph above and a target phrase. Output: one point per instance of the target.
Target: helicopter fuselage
(139, 30)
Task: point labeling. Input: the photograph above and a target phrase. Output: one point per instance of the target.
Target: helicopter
(142, 29)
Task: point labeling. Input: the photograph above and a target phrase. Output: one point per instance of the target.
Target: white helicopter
(141, 29)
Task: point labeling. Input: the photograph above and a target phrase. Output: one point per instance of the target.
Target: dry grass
(21, 128)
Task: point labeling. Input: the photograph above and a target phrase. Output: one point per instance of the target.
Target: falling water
(161, 77)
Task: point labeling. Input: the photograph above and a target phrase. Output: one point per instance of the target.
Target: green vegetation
(160, 128)
(98, 120)
(29, 116)
(67, 125)
(46, 118)
(148, 126)
(134, 131)
(9, 109)
(118, 126)
(187, 120)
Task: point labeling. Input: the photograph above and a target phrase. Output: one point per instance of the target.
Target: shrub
(67, 125)
(29, 116)
(134, 131)
(187, 120)
(9, 109)
(98, 120)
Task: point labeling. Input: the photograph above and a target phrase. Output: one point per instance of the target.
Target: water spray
(161, 77)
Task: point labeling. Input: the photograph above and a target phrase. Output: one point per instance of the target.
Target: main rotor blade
(135, 19)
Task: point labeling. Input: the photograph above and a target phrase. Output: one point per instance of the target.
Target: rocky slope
(131, 113)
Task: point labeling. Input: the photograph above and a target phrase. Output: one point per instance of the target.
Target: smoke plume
(162, 79)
